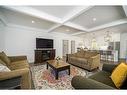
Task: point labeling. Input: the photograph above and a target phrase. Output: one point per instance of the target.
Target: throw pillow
(4, 58)
(119, 75)
(4, 68)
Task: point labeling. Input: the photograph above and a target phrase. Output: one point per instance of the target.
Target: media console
(42, 55)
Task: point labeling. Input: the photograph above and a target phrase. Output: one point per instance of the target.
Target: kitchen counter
(109, 55)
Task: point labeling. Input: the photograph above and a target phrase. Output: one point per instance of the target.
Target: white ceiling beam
(111, 24)
(76, 12)
(35, 13)
(54, 27)
(125, 9)
(72, 25)
(3, 18)
(114, 23)
(74, 34)
(3, 21)
(25, 27)
(69, 24)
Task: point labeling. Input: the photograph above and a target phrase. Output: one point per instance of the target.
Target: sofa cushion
(124, 86)
(19, 65)
(119, 75)
(79, 60)
(4, 68)
(82, 60)
(103, 77)
(80, 54)
(4, 58)
(89, 54)
(80, 82)
(73, 57)
(2, 62)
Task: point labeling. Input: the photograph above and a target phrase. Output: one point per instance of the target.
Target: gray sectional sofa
(100, 80)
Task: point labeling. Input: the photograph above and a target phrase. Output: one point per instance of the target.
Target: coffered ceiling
(26, 20)
(99, 15)
(57, 11)
(72, 20)
(66, 29)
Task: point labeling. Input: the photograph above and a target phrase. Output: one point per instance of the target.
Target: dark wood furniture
(42, 55)
(58, 66)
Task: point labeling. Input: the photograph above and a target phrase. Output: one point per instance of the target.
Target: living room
(90, 35)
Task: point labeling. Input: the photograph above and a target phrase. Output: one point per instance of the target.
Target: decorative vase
(57, 59)
(57, 62)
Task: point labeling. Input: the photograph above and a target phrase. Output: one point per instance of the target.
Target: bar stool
(105, 55)
(110, 55)
(101, 54)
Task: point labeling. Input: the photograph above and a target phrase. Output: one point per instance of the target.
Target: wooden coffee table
(57, 67)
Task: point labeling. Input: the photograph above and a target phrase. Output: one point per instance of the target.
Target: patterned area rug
(45, 78)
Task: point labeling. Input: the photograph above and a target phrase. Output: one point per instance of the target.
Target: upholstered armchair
(19, 68)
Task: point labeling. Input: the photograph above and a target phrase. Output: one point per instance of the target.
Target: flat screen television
(44, 43)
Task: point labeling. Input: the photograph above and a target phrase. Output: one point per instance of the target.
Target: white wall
(19, 41)
(123, 45)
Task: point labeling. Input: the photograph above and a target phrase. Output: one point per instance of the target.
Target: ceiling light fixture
(94, 19)
(33, 21)
(108, 37)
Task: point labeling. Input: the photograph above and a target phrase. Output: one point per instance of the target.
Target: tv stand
(42, 55)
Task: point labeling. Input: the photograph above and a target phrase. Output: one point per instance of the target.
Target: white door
(72, 46)
(65, 47)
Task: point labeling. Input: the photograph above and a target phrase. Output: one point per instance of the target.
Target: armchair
(19, 70)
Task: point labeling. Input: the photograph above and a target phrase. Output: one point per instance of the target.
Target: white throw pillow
(4, 68)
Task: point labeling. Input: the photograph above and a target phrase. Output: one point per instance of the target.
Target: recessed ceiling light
(67, 30)
(33, 21)
(94, 19)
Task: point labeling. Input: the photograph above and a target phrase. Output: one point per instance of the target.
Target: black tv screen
(44, 43)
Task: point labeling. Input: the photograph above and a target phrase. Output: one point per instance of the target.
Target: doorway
(65, 47)
(72, 47)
